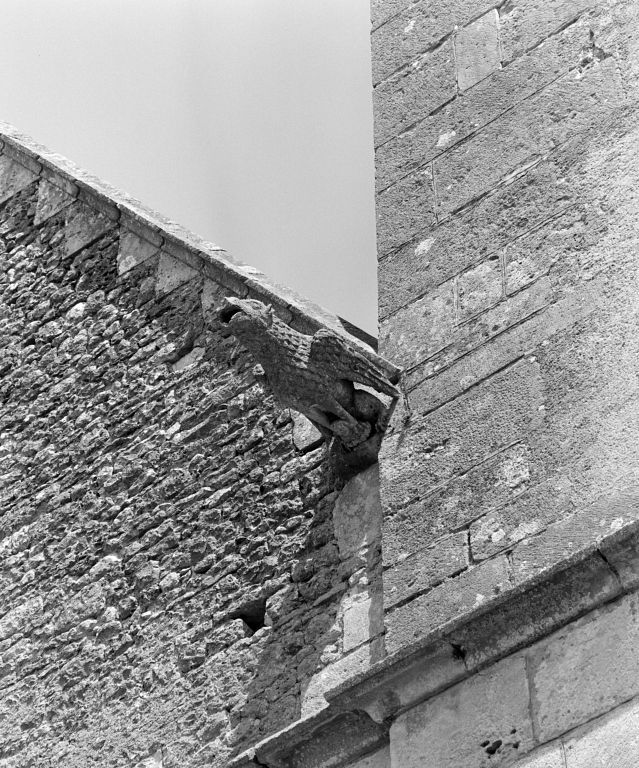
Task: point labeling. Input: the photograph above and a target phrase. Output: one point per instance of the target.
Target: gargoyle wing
(333, 353)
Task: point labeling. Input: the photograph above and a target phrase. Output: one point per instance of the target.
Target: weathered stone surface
(133, 250)
(477, 53)
(612, 740)
(13, 177)
(416, 28)
(545, 757)
(527, 23)
(459, 435)
(51, 200)
(357, 514)
(526, 134)
(418, 571)
(83, 226)
(527, 516)
(451, 599)
(407, 207)
(526, 616)
(467, 239)
(171, 580)
(423, 328)
(306, 436)
(481, 721)
(413, 92)
(488, 99)
(585, 669)
(565, 537)
(479, 288)
(379, 759)
(466, 497)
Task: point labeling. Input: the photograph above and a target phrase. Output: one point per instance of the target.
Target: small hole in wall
(459, 653)
(252, 614)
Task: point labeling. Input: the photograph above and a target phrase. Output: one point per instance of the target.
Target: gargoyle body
(314, 375)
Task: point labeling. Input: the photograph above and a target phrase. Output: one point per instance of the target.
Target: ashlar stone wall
(507, 175)
(173, 584)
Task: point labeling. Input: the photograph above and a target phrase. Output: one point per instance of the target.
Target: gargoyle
(314, 375)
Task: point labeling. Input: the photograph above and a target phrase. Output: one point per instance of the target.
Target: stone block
(477, 52)
(416, 28)
(475, 364)
(351, 664)
(582, 529)
(357, 623)
(456, 437)
(551, 756)
(83, 226)
(481, 721)
(530, 513)
(51, 200)
(133, 250)
(475, 333)
(585, 669)
(611, 741)
(526, 23)
(379, 759)
(479, 288)
(404, 209)
(453, 598)
(306, 436)
(525, 616)
(416, 572)
(620, 550)
(357, 514)
(172, 273)
(414, 92)
(526, 133)
(421, 329)
(491, 484)
(13, 177)
(552, 246)
(488, 99)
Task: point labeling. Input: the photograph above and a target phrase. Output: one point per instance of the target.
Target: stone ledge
(588, 579)
(207, 257)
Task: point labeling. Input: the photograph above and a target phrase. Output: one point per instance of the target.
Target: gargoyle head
(245, 315)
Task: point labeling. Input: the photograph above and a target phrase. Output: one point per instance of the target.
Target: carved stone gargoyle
(314, 375)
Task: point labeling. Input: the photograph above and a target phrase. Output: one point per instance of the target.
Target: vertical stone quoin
(508, 214)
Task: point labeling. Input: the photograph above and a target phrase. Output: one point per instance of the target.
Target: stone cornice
(207, 258)
(592, 576)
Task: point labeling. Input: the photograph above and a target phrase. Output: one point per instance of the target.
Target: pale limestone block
(544, 757)
(357, 622)
(477, 51)
(379, 759)
(191, 358)
(586, 668)
(133, 250)
(481, 721)
(306, 435)
(333, 675)
(171, 274)
(610, 742)
(83, 226)
(13, 177)
(357, 515)
(51, 200)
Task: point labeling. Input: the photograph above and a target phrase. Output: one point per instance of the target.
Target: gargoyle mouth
(229, 309)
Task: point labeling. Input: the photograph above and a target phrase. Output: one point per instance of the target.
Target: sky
(247, 121)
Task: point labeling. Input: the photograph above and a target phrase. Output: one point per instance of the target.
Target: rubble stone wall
(174, 585)
(508, 213)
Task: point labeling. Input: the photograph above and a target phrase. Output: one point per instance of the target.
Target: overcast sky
(248, 121)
